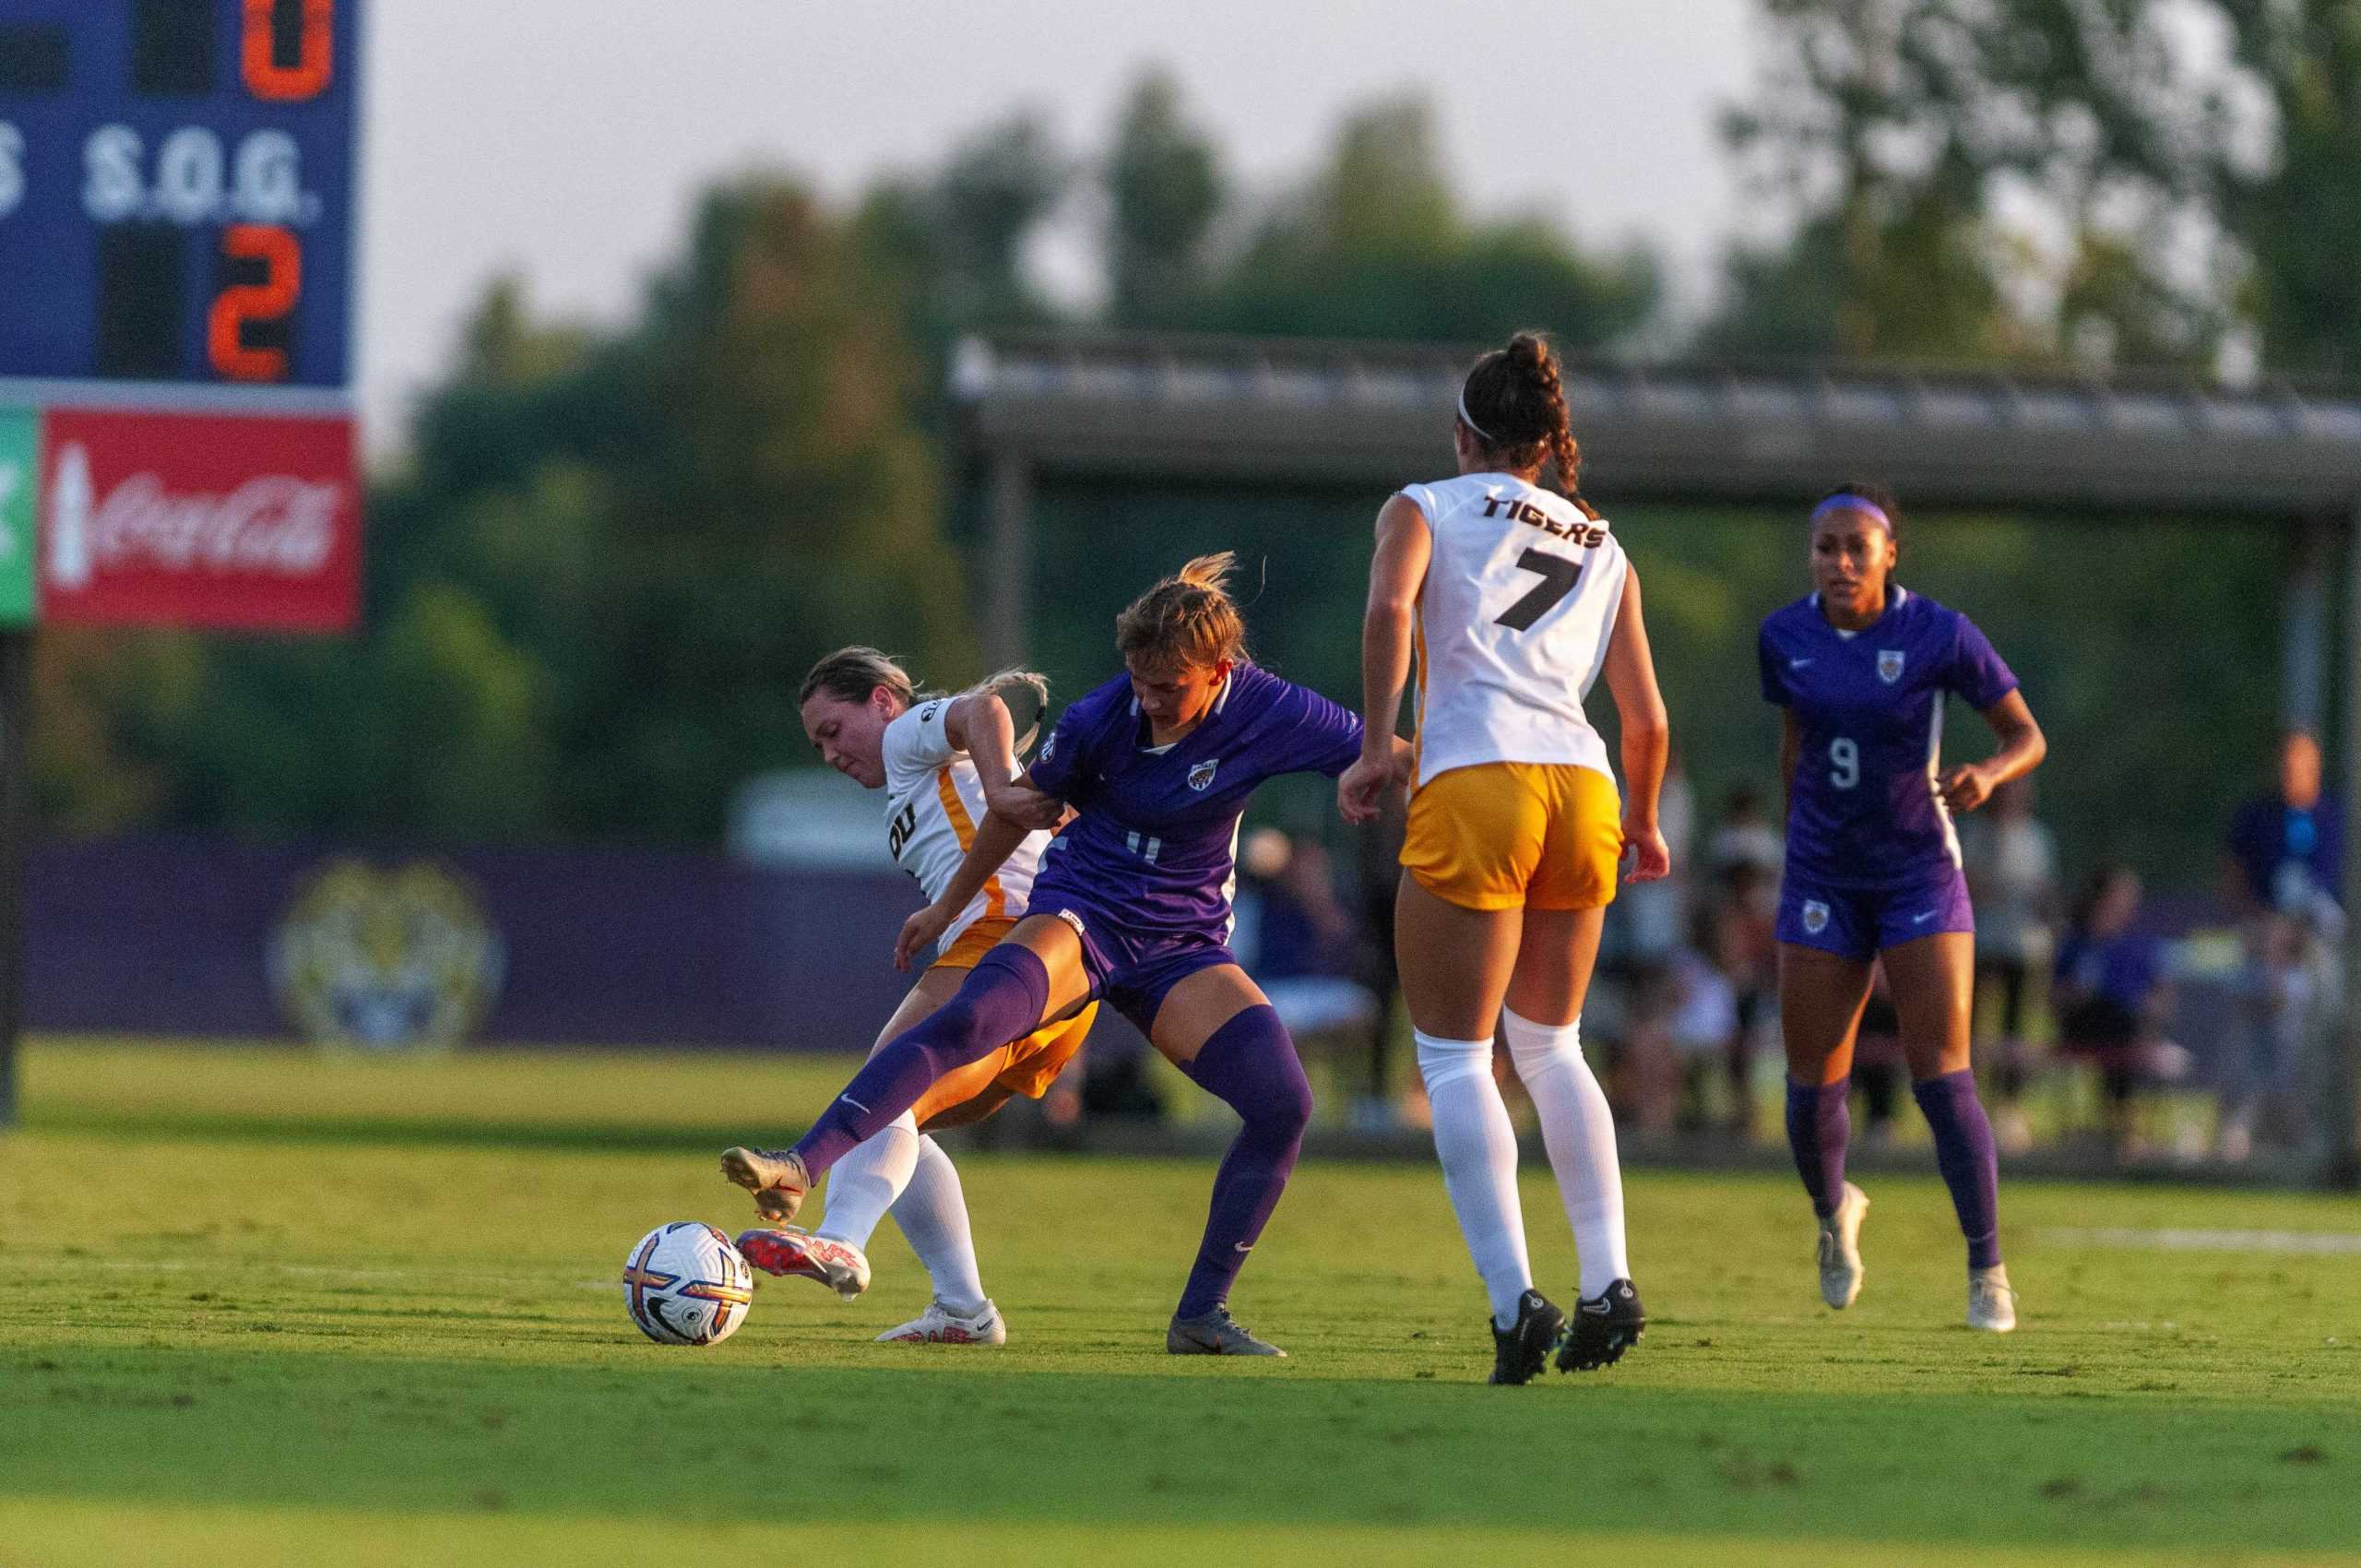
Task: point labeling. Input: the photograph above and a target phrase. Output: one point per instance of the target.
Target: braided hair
(1515, 407)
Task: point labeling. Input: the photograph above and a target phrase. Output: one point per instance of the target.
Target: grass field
(267, 1309)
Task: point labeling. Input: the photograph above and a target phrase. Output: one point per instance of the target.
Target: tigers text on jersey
(1863, 810)
(1156, 837)
(1513, 619)
(933, 800)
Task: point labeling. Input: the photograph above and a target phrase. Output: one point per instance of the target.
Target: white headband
(1470, 423)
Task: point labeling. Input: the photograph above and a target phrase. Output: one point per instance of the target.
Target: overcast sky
(564, 138)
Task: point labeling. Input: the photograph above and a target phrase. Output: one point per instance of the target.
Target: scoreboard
(177, 206)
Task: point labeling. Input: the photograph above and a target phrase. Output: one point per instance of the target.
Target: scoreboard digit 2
(177, 182)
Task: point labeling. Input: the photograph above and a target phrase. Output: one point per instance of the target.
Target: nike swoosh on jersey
(1799, 663)
(1922, 919)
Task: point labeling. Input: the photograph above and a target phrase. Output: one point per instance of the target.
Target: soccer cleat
(777, 1179)
(1604, 1326)
(1840, 1249)
(940, 1326)
(836, 1265)
(1991, 1305)
(1522, 1348)
(1214, 1333)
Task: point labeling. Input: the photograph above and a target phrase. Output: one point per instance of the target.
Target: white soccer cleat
(839, 1266)
(940, 1326)
(1840, 1249)
(1991, 1305)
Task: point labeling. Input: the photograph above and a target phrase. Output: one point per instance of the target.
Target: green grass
(269, 1308)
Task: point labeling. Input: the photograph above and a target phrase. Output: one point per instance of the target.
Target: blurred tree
(996, 189)
(1164, 192)
(1375, 247)
(777, 502)
(2118, 182)
(1970, 179)
(110, 711)
(2292, 204)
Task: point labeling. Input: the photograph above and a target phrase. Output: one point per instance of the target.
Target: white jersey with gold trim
(1514, 620)
(933, 800)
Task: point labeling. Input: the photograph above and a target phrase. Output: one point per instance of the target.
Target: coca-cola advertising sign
(199, 520)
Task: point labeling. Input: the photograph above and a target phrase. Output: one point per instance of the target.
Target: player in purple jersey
(1861, 667)
(1132, 905)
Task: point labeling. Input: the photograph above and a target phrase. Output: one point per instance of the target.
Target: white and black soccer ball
(684, 1284)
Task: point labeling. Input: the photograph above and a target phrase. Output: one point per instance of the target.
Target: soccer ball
(684, 1284)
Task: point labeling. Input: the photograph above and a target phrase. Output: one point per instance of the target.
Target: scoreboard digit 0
(176, 191)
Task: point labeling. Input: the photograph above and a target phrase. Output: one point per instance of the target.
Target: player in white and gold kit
(1516, 597)
(932, 756)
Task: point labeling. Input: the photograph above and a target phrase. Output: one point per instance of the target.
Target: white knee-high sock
(1579, 1130)
(932, 1212)
(864, 1183)
(1478, 1147)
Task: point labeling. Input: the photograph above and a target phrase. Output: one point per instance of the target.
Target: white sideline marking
(2318, 1243)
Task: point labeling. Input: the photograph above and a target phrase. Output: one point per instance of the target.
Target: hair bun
(1528, 351)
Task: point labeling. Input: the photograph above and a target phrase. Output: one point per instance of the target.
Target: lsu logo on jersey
(1889, 665)
(1815, 916)
(1202, 776)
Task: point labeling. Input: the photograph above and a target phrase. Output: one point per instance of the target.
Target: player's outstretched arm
(2022, 746)
(1404, 547)
(1648, 734)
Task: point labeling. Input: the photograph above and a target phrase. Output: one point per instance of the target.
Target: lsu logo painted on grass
(385, 960)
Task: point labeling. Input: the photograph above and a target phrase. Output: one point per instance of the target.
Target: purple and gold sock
(1965, 1153)
(1820, 1124)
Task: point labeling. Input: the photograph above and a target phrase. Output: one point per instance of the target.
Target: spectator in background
(1746, 838)
(1703, 1021)
(2111, 996)
(2011, 863)
(1654, 915)
(1297, 939)
(2284, 881)
(1746, 946)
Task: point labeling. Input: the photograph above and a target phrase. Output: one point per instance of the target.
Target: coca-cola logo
(273, 525)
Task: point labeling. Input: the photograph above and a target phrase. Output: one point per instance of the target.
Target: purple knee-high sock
(1002, 1000)
(1819, 1125)
(1971, 1166)
(1250, 1063)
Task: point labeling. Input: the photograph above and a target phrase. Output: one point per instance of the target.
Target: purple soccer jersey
(1156, 840)
(1863, 810)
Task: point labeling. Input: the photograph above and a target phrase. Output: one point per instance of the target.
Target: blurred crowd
(2190, 1026)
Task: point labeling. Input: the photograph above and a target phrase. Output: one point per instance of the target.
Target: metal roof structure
(1305, 412)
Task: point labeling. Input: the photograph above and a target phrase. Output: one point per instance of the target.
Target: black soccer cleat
(1520, 1352)
(1604, 1326)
